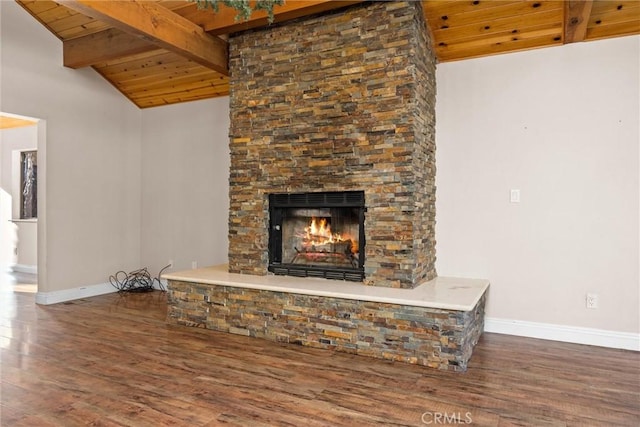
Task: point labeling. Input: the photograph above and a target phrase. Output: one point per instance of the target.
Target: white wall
(185, 182)
(13, 140)
(8, 232)
(26, 246)
(562, 125)
(91, 160)
(125, 188)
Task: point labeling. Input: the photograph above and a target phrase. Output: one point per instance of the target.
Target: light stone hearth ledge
(447, 293)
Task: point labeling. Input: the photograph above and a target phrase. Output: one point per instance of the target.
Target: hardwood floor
(112, 361)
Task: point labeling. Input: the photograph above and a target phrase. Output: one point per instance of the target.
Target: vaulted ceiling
(159, 52)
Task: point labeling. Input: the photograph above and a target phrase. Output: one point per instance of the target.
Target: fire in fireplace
(317, 234)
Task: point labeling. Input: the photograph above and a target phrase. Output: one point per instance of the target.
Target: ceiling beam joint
(576, 19)
(159, 26)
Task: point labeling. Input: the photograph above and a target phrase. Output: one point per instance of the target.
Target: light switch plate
(515, 196)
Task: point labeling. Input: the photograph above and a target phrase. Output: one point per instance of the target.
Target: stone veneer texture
(442, 339)
(338, 102)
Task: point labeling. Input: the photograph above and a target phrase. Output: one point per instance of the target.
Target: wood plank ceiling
(159, 52)
(10, 121)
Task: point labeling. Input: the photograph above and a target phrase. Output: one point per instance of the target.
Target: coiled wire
(136, 281)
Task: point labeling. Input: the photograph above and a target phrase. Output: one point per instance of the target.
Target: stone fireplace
(317, 234)
(332, 136)
(338, 102)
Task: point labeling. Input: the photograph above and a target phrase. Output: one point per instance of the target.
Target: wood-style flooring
(113, 361)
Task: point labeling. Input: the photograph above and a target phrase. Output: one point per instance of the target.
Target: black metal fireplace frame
(342, 199)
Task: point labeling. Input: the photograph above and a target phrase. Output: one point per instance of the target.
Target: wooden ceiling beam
(224, 21)
(576, 19)
(160, 26)
(102, 47)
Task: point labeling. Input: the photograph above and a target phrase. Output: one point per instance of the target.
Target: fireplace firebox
(317, 235)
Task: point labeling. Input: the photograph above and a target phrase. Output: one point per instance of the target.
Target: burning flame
(319, 233)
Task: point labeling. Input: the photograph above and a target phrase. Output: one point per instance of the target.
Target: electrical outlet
(194, 264)
(170, 263)
(592, 301)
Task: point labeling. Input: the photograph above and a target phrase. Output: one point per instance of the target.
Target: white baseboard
(22, 268)
(572, 334)
(55, 297)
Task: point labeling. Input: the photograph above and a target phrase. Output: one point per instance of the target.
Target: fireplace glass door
(317, 235)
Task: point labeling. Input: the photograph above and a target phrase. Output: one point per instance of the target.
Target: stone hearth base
(413, 326)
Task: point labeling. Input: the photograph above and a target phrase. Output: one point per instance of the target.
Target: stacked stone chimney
(338, 102)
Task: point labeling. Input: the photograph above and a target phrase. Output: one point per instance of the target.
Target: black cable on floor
(137, 280)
